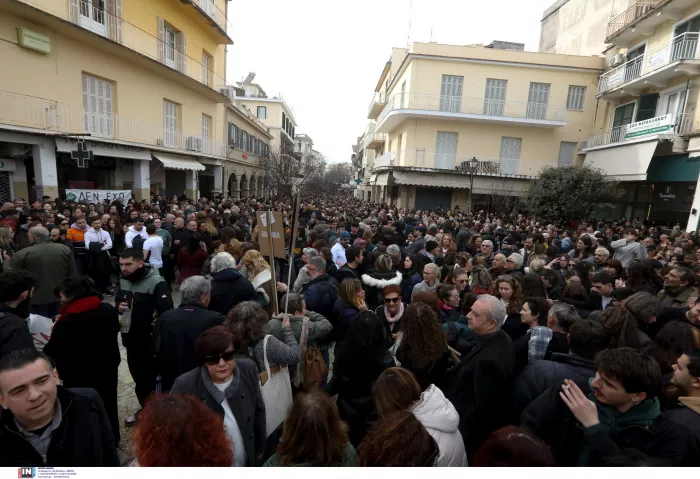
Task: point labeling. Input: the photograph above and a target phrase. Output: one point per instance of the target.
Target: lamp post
(473, 164)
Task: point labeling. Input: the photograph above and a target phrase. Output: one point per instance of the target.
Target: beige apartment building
(444, 115)
(140, 82)
(646, 131)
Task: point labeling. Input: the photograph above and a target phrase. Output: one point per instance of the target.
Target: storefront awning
(102, 148)
(485, 185)
(428, 179)
(383, 179)
(624, 163)
(175, 162)
(372, 179)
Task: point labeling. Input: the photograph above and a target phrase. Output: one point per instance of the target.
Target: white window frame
(665, 94)
(96, 19)
(264, 111)
(98, 116)
(573, 155)
(171, 132)
(170, 49)
(571, 99)
(612, 117)
(206, 74)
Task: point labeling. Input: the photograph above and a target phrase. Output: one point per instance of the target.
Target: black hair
(687, 275)
(637, 372)
(135, 253)
(533, 286)
(694, 362)
(538, 306)
(78, 287)
(604, 278)
(587, 338)
(21, 357)
(352, 253)
(14, 283)
(151, 229)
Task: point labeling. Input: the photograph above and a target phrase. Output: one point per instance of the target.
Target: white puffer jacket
(440, 418)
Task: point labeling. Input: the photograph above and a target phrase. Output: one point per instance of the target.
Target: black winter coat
(320, 295)
(479, 386)
(176, 334)
(83, 439)
(689, 419)
(542, 374)
(373, 283)
(14, 331)
(229, 288)
(248, 407)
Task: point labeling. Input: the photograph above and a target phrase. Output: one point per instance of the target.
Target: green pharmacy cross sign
(82, 156)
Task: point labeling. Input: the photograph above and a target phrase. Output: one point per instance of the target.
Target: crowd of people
(388, 337)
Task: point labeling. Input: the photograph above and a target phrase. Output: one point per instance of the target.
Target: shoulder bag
(276, 389)
(312, 369)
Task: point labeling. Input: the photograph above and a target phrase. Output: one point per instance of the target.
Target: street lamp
(473, 164)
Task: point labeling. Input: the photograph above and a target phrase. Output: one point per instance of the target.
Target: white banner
(98, 196)
(652, 126)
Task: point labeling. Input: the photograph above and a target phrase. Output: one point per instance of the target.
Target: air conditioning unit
(194, 143)
(159, 142)
(617, 60)
(583, 145)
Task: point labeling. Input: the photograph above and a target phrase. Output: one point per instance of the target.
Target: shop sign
(33, 40)
(7, 164)
(98, 196)
(652, 126)
(102, 148)
(671, 196)
(271, 222)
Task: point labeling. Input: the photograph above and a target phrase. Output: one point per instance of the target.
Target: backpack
(138, 242)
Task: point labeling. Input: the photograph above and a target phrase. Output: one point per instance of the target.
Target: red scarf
(444, 306)
(79, 306)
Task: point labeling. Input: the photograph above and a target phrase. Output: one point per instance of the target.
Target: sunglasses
(227, 356)
(392, 300)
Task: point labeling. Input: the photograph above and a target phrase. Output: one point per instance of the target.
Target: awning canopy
(372, 179)
(103, 148)
(624, 163)
(382, 179)
(175, 162)
(483, 184)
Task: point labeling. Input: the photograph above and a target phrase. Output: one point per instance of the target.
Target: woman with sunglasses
(230, 387)
(391, 312)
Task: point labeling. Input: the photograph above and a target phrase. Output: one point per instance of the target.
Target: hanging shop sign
(32, 40)
(98, 196)
(652, 126)
(81, 155)
(102, 148)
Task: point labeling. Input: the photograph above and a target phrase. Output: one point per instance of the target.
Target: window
(574, 100)
(623, 116)
(170, 47)
(262, 112)
(284, 121)
(451, 93)
(171, 137)
(92, 15)
(206, 133)
(402, 102)
(537, 101)
(97, 106)
(685, 41)
(566, 153)
(510, 155)
(445, 150)
(207, 67)
(231, 134)
(495, 97)
(634, 62)
(244, 142)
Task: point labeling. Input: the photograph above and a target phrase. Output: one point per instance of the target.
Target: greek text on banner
(98, 196)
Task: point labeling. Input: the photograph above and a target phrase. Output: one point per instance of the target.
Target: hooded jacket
(229, 288)
(132, 233)
(14, 331)
(319, 326)
(441, 419)
(375, 281)
(148, 296)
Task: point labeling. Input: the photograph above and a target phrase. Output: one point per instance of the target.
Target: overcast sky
(325, 56)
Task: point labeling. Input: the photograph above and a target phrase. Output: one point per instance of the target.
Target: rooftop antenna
(431, 35)
(408, 37)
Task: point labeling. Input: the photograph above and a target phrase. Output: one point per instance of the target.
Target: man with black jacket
(321, 292)
(686, 377)
(586, 339)
(602, 286)
(144, 294)
(15, 295)
(354, 258)
(588, 426)
(480, 384)
(45, 424)
(176, 331)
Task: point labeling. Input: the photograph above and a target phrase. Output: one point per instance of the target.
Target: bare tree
(286, 173)
(502, 197)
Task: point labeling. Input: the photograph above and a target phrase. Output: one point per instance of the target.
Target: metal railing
(215, 13)
(42, 114)
(679, 125)
(378, 97)
(448, 162)
(474, 106)
(682, 47)
(129, 35)
(371, 137)
(631, 15)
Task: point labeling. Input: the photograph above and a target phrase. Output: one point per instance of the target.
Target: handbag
(276, 392)
(312, 369)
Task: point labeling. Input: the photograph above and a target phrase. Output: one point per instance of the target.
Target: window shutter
(566, 153)
(230, 134)
(74, 11)
(181, 47)
(161, 40)
(575, 97)
(212, 72)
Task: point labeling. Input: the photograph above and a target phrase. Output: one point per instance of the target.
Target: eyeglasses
(392, 300)
(227, 356)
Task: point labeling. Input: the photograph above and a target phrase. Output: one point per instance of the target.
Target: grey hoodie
(627, 252)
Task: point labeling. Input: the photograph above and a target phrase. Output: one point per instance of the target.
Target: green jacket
(319, 326)
(167, 240)
(350, 460)
(51, 262)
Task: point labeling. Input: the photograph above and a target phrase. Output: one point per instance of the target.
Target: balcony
(662, 127)
(115, 29)
(374, 141)
(403, 106)
(32, 114)
(641, 19)
(653, 69)
(431, 162)
(376, 105)
(213, 16)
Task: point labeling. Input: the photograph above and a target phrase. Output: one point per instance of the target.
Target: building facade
(646, 131)
(444, 115)
(139, 84)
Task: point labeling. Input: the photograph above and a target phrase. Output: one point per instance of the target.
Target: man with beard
(686, 377)
(15, 294)
(52, 262)
(143, 294)
(678, 288)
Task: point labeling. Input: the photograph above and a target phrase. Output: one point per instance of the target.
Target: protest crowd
(411, 338)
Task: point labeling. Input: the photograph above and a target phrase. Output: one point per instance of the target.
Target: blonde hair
(348, 292)
(254, 263)
(5, 235)
(211, 229)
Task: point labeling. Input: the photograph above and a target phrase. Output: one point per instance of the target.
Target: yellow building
(646, 129)
(437, 109)
(141, 81)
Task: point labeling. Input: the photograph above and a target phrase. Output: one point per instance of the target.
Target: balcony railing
(42, 114)
(448, 162)
(682, 47)
(378, 100)
(374, 137)
(631, 15)
(677, 125)
(129, 35)
(474, 106)
(219, 17)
